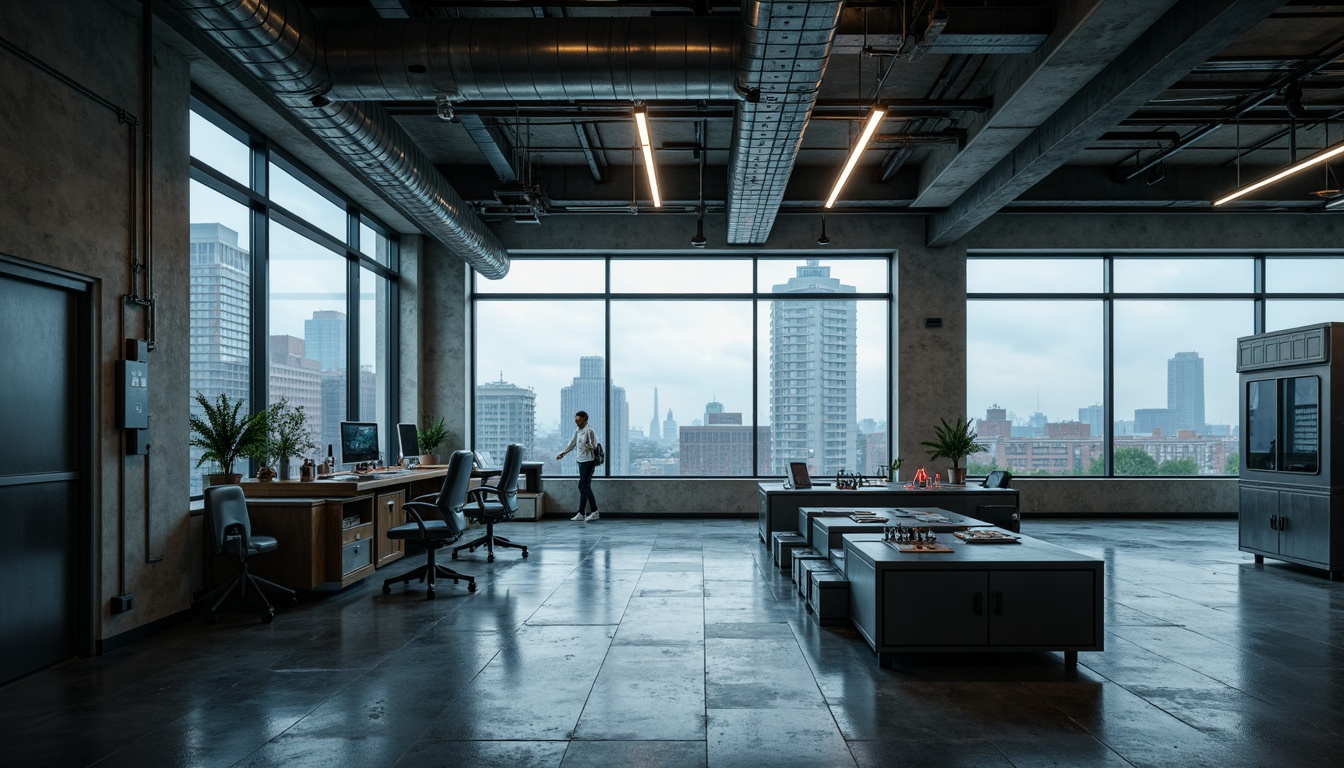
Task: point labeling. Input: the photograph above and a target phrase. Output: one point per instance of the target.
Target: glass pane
(1295, 313)
(1002, 274)
(303, 201)
(859, 275)
(374, 245)
(686, 367)
(680, 276)
(548, 276)
(1262, 424)
(1034, 387)
(375, 317)
(1304, 275)
(221, 307)
(822, 378)
(537, 362)
(1301, 424)
(1193, 275)
(308, 332)
(1176, 386)
(217, 149)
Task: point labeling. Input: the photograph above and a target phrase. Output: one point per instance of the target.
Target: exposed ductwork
(276, 42)
(514, 59)
(784, 51)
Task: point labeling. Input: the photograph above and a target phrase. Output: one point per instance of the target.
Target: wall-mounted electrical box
(133, 386)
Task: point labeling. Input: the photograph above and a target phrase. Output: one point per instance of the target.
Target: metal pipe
(276, 42)
(527, 60)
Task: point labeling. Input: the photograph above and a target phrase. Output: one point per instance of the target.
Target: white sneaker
(590, 518)
(578, 517)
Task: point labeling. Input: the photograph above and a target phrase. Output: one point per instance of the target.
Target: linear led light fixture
(869, 128)
(645, 144)
(1301, 165)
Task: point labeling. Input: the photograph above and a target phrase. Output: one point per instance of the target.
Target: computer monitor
(359, 442)
(410, 444)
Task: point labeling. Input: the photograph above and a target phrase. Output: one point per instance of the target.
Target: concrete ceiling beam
(1191, 32)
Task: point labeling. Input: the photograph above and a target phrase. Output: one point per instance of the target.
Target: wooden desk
(333, 532)
(827, 530)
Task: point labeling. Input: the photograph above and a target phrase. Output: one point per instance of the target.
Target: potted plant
(954, 442)
(894, 468)
(287, 436)
(225, 435)
(430, 435)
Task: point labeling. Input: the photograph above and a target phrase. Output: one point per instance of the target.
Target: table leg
(1070, 658)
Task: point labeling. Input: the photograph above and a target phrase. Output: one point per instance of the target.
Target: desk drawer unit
(782, 546)
(800, 556)
(810, 569)
(828, 598)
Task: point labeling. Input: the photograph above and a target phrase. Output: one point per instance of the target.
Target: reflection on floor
(652, 643)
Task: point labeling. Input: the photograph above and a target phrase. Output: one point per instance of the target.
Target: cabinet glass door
(1301, 424)
(1261, 424)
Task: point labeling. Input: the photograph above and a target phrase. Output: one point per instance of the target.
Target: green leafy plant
(225, 434)
(953, 442)
(430, 435)
(287, 433)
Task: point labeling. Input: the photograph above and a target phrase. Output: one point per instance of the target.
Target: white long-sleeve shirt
(585, 440)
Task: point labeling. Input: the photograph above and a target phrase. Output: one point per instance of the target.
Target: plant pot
(220, 479)
(284, 470)
(265, 474)
(429, 458)
(956, 476)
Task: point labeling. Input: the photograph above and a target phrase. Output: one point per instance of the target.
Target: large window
(1124, 364)
(707, 367)
(293, 287)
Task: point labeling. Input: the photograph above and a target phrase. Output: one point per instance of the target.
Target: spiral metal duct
(514, 59)
(276, 41)
(785, 47)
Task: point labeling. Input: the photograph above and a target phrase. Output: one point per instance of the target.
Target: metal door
(44, 321)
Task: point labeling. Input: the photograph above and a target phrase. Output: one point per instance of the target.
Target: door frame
(84, 290)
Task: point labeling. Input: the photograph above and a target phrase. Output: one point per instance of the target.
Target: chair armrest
(479, 494)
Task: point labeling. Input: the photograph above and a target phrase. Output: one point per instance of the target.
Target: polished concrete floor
(676, 643)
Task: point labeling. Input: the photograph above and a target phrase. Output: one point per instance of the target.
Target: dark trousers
(586, 498)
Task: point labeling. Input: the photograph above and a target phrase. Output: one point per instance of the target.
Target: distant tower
(670, 428)
(654, 433)
(1185, 390)
(588, 392)
(813, 372)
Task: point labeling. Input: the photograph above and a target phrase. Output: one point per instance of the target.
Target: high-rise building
(995, 423)
(670, 429)
(505, 414)
(220, 281)
(297, 378)
(654, 432)
(1185, 390)
(1094, 416)
(1154, 422)
(813, 373)
(588, 393)
(324, 334)
(723, 446)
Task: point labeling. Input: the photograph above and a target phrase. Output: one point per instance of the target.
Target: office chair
(503, 507)
(436, 521)
(232, 528)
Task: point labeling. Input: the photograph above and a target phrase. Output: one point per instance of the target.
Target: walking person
(585, 440)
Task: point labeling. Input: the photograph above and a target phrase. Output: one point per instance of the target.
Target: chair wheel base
(490, 559)
(268, 617)
(387, 589)
(211, 617)
(524, 551)
(431, 593)
(471, 586)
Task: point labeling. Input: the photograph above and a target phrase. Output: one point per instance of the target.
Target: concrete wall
(65, 202)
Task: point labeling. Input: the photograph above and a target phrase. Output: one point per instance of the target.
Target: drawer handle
(356, 537)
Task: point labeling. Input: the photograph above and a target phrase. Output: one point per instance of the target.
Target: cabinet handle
(1283, 523)
(979, 603)
(1274, 522)
(998, 603)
